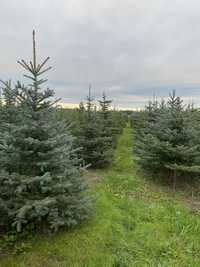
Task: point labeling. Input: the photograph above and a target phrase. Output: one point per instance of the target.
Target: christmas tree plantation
(96, 128)
(167, 138)
(40, 180)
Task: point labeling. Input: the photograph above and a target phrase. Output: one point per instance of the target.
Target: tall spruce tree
(95, 150)
(40, 181)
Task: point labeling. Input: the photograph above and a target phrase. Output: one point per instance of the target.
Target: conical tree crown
(40, 180)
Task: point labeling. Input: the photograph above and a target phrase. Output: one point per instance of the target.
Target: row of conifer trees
(167, 138)
(41, 157)
(96, 129)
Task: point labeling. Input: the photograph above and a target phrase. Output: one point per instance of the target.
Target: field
(136, 222)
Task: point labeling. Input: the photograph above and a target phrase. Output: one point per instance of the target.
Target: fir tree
(105, 105)
(109, 129)
(95, 149)
(40, 182)
(168, 141)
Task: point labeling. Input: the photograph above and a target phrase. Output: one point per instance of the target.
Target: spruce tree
(108, 128)
(40, 181)
(168, 141)
(91, 138)
(104, 106)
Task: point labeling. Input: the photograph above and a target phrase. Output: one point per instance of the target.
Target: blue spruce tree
(40, 180)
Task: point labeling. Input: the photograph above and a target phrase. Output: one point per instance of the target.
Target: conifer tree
(109, 129)
(105, 105)
(95, 149)
(168, 141)
(40, 182)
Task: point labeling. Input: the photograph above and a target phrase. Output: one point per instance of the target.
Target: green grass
(136, 223)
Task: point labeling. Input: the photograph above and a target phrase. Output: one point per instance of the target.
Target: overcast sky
(131, 49)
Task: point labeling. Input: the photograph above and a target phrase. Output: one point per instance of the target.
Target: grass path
(134, 224)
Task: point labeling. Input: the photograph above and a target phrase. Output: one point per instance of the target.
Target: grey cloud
(128, 48)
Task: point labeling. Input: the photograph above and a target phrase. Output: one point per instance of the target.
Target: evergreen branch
(42, 81)
(43, 63)
(50, 104)
(29, 77)
(20, 97)
(45, 70)
(44, 97)
(195, 169)
(19, 62)
(7, 83)
(33, 69)
(54, 102)
(24, 65)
